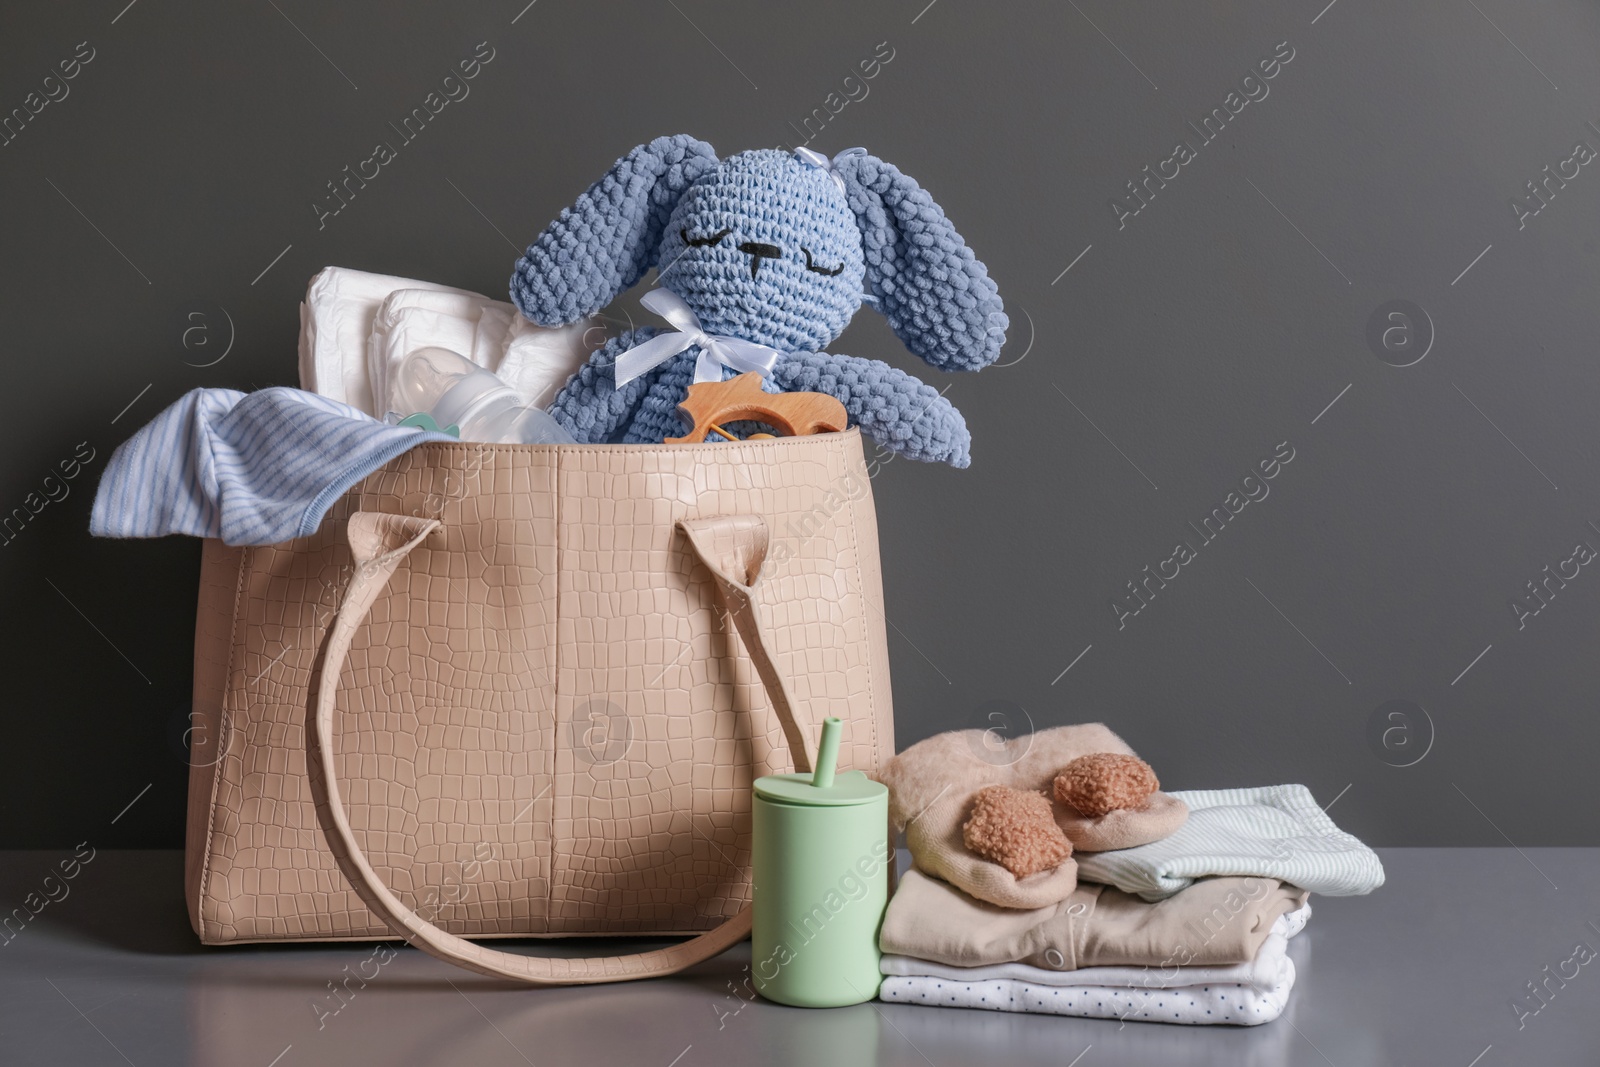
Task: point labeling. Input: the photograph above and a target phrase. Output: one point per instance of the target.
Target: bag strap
(732, 548)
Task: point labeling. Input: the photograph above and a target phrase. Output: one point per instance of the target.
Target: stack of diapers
(1052, 876)
(409, 319)
(536, 361)
(356, 328)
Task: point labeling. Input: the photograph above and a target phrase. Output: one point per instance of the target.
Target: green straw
(827, 753)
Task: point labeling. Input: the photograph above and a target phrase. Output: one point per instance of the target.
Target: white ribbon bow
(817, 159)
(716, 351)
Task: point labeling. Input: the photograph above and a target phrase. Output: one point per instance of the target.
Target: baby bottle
(456, 391)
(821, 858)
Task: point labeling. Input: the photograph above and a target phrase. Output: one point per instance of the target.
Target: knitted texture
(937, 296)
(605, 242)
(1016, 829)
(888, 404)
(1104, 782)
(769, 249)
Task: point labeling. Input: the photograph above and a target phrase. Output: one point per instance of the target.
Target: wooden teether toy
(709, 404)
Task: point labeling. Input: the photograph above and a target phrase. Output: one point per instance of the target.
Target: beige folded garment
(1213, 923)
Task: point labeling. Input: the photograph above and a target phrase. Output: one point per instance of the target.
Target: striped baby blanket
(252, 469)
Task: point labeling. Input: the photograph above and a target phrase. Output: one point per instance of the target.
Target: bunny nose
(757, 252)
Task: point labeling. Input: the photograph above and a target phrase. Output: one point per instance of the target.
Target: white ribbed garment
(1269, 832)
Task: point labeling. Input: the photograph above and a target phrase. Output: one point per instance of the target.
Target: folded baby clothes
(1215, 922)
(1269, 832)
(252, 469)
(336, 320)
(933, 783)
(1244, 994)
(1260, 970)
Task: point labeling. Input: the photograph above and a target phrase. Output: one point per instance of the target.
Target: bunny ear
(938, 298)
(605, 242)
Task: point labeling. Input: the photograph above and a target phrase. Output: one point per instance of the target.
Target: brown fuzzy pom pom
(1016, 829)
(1105, 782)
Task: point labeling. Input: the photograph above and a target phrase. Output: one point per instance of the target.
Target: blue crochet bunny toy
(763, 256)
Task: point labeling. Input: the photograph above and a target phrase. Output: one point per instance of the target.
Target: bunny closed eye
(704, 242)
(758, 250)
(811, 265)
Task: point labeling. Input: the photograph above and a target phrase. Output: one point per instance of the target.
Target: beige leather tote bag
(522, 691)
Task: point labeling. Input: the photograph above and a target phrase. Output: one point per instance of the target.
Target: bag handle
(732, 547)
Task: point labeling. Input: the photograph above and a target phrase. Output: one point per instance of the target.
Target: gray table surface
(1424, 971)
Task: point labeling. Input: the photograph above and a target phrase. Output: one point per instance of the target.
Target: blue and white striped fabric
(252, 469)
(1268, 832)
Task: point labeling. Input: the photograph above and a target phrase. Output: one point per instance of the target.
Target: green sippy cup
(822, 861)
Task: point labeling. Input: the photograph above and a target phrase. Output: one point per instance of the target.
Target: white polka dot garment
(1244, 995)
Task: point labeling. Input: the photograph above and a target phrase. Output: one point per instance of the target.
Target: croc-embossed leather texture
(553, 699)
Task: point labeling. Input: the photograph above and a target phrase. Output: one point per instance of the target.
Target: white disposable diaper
(410, 319)
(356, 327)
(335, 321)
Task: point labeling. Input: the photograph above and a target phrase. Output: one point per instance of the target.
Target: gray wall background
(1137, 389)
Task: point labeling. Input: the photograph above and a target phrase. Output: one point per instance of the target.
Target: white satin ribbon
(817, 159)
(716, 351)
